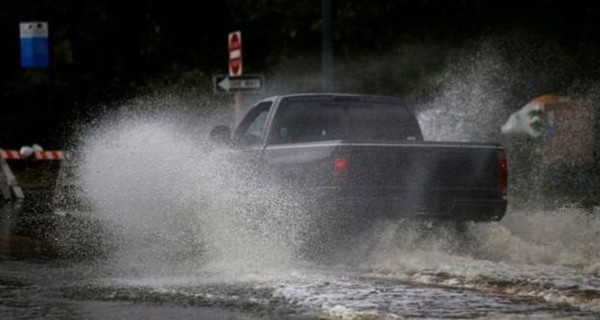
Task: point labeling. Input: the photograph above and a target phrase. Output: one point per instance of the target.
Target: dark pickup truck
(366, 154)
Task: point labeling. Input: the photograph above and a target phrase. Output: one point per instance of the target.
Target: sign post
(234, 81)
(34, 45)
(234, 42)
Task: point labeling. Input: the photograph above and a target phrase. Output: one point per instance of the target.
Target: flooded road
(393, 279)
(79, 292)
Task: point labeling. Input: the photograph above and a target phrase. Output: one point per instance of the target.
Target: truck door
(249, 137)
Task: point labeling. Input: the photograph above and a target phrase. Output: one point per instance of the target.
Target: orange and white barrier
(54, 155)
(51, 155)
(9, 187)
(9, 155)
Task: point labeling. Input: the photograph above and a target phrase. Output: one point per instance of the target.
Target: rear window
(304, 121)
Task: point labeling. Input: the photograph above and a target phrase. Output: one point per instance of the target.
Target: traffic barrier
(8, 183)
(9, 186)
(9, 155)
(16, 204)
(52, 155)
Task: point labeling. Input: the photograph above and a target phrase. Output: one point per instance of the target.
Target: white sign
(243, 83)
(33, 29)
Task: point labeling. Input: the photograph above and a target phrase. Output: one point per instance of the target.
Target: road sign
(34, 44)
(223, 83)
(235, 53)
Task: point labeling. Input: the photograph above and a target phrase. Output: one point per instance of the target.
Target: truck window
(251, 129)
(319, 120)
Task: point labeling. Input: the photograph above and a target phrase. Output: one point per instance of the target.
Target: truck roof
(339, 96)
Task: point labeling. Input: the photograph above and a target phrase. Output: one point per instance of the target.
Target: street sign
(223, 83)
(234, 41)
(34, 44)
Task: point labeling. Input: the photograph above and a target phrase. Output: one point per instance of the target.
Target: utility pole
(327, 63)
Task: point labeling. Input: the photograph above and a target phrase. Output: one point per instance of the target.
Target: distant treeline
(104, 52)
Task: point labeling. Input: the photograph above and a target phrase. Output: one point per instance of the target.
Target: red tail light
(340, 164)
(502, 173)
(340, 170)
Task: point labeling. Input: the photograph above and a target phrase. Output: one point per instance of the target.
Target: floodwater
(531, 265)
(389, 281)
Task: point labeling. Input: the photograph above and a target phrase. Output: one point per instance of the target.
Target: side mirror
(220, 135)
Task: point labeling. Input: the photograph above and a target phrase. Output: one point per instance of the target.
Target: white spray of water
(470, 100)
(178, 202)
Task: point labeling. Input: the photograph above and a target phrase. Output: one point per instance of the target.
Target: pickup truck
(366, 155)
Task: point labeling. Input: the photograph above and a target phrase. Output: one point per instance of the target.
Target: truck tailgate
(422, 165)
(423, 177)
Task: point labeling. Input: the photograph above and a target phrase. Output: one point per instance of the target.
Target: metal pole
(327, 63)
(238, 105)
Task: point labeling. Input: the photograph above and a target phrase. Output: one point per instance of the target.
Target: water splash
(177, 202)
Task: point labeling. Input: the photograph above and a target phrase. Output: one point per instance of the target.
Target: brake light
(502, 173)
(340, 164)
(340, 170)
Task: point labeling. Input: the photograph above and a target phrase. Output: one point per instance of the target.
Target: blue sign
(34, 45)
